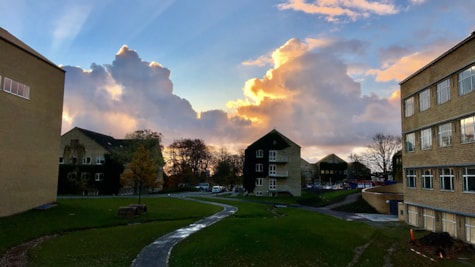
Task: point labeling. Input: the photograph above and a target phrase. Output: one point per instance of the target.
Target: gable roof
(332, 158)
(106, 141)
(8, 37)
(275, 139)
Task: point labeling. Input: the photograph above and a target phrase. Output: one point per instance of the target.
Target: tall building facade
(31, 104)
(272, 166)
(438, 126)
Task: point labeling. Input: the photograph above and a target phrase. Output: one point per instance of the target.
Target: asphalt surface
(157, 253)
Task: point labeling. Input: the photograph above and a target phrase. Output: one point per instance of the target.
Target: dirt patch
(17, 256)
(440, 246)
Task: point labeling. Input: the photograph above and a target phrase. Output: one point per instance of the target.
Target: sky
(325, 73)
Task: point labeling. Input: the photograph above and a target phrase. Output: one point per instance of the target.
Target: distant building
(331, 169)
(438, 126)
(85, 163)
(272, 166)
(86, 166)
(31, 104)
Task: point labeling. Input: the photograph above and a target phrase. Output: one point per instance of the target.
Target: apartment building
(272, 166)
(438, 126)
(31, 103)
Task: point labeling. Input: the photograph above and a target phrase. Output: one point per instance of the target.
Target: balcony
(279, 174)
(279, 159)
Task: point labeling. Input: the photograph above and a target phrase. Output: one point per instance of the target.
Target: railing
(279, 174)
(279, 159)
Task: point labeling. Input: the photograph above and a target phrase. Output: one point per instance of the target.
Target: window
(443, 91)
(411, 178)
(409, 106)
(259, 153)
(469, 179)
(426, 139)
(272, 184)
(272, 155)
(99, 177)
(86, 160)
(259, 167)
(258, 193)
(424, 100)
(445, 135)
(410, 142)
(259, 181)
(427, 179)
(72, 175)
(61, 160)
(446, 179)
(84, 175)
(16, 88)
(467, 128)
(272, 169)
(466, 80)
(100, 160)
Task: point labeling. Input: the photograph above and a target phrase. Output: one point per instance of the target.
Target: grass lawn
(91, 234)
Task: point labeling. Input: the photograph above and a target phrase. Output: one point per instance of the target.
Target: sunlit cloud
(334, 10)
(397, 69)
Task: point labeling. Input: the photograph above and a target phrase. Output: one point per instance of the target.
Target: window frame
(443, 91)
(272, 155)
(272, 184)
(21, 90)
(259, 167)
(424, 99)
(259, 181)
(445, 133)
(409, 106)
(468, 180)
(466, 77)
(272, 169)
(413, 143)
(443, 176)
(426, 139)
(411, 178)
(259, 153)
(467, 127)
(427, 179)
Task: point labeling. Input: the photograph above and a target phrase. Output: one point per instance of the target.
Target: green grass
(91, 234)
(359, 206)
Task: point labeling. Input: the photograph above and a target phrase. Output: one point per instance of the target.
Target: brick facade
(429, 203)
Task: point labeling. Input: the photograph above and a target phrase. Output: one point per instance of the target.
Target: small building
(331, 169)
(31, 103)
(272, 166)
(438, 158)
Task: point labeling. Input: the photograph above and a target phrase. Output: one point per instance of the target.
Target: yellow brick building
(31, 104)
(438, 125)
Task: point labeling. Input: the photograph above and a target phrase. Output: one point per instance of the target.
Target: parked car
(216, 189)
(203, 187)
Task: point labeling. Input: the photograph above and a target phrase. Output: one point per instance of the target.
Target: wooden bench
(141, 208)
(128, 212)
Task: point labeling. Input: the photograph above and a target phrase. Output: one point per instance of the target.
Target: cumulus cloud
(307, 94)
(310, 96)
(334, 10)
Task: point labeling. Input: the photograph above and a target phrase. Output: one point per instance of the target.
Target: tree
(227, 169)
(379, 154)
(190, 159)
(141, 171)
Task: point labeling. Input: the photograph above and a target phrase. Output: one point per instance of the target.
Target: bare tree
(189, 155)
(379, 154)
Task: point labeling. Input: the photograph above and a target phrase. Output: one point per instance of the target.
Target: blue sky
(325, 73)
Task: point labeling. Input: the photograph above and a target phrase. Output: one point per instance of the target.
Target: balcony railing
(279, 159)
(279, 174)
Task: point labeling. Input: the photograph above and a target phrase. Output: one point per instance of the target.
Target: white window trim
(426, 139)
(259, 153)
(443, 176)
(259, 181)
(430, 186)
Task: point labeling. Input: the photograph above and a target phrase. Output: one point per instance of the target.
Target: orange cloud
(332, 9)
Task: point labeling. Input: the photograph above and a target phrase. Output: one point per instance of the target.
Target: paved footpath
(157, 254)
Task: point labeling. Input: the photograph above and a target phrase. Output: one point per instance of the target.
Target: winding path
(157, 253)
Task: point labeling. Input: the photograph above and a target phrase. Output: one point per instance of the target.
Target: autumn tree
(379, 154)
(189, 159)
(141, 172)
